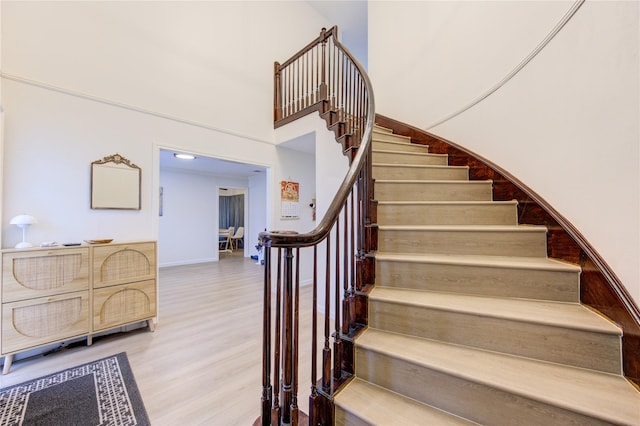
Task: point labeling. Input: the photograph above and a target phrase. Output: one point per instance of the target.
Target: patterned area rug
(102, 392)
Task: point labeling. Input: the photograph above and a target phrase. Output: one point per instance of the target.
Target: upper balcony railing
(322, 77)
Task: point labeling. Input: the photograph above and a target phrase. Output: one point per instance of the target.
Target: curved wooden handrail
(324, 77)
(320, 232)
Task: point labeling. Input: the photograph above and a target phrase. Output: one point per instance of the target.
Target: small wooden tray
(105, 241)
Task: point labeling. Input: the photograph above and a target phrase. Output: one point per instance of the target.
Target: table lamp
(23, 221)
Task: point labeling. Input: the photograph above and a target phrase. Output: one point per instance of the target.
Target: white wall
(259, 210)
(330, 166)
(298, 167)
(208, 62)
(189, 224)
(83, 80)
(567, 125)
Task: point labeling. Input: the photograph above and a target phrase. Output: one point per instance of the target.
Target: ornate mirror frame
(115, 184)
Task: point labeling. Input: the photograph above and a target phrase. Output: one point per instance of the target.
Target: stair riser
(409, 158)
(389, 137)
(418, 173)
(474, 401)
(399, 146)
(538, 284)
(343, 417)
(447, 214)
(433, 191)
(492, 243)
(578, 348)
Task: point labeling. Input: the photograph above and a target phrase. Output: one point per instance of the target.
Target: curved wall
(567, 125)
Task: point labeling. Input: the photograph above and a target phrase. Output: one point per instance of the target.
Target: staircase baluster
(352, 292)
(337, 341)
(345, 280)
(287, 324)
(326, 351)
(276, 357)
(296, 331)
(266, 343)
(313, 418)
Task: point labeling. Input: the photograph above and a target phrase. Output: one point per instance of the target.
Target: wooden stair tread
(377, 405)
(400, 144)
(558, 314)
(604, 396)
(420, 166)
(380, 129)
(479, 260)
(465, 228)
(459, 203)
(413, 154)
(435, 181)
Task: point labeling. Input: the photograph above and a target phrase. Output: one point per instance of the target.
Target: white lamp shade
(23, 219)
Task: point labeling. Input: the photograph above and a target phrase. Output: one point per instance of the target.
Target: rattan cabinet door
(123, 263)
(35, 322)
(39, 273)
(123, 304)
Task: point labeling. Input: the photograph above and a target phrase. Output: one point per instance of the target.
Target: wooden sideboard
(59, 293)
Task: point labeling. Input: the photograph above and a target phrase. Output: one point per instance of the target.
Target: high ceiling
(208, 165)
(351, 18)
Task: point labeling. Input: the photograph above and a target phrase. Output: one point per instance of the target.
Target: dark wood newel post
(287, 380)
(266, 343)
(323, 66)
(277, 93)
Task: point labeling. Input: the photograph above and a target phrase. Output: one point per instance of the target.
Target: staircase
(469, 321)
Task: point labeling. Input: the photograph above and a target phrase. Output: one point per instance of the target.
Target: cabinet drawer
(35, 322)
(122, 304)
(42, 273)
(121, 263)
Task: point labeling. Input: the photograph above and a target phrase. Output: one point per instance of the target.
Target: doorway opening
(232, 218)
(189, 214)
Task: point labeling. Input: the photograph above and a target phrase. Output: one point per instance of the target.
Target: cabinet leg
(8, 360)
(89, 340)
(152, 324)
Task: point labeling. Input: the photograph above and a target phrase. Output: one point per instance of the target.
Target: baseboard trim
(187, 262)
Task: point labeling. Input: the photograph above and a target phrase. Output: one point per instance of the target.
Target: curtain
(231, 211)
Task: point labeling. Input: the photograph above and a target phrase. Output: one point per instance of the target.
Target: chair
(224, 238)
(237, 237)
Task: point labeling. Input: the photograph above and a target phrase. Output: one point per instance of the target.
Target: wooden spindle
(313, 418)
(287, 341)
(296, 335)
(276, 357)
(345, 280)
(326, 351)
(265, 401)
(352, 291)
(337, 341)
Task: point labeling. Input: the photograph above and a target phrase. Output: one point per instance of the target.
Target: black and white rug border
(118, 398)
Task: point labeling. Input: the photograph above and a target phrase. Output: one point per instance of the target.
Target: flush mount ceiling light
(185, 156)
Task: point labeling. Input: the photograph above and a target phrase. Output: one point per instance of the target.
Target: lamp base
(23, 244)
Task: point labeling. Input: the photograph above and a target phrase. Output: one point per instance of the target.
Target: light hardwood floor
(202, 365)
